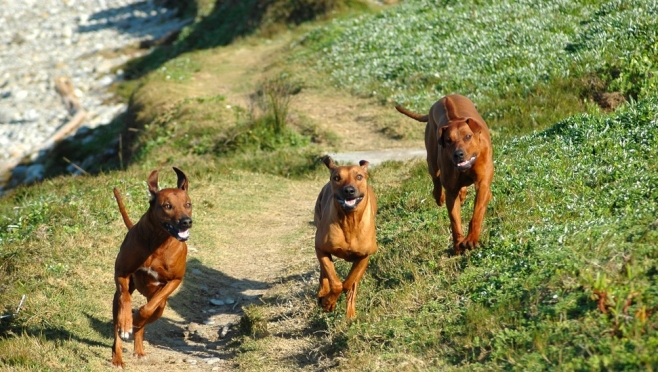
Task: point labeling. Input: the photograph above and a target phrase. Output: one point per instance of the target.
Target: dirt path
(253, 233)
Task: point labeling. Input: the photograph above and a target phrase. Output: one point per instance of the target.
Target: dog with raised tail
(459, 154)
(152, 260)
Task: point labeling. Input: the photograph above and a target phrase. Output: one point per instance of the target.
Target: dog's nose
(186, 222)
(458, 155)
(349, 190)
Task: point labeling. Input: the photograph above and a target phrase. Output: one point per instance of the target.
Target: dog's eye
(336, 178)
(188, 205)
(359, 177)
(167, 206)
(468, 137)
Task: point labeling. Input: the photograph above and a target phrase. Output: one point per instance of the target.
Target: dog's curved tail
(122, 209)
(413, 115)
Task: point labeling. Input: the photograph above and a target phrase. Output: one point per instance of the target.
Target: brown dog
(345, 221)
(152, 260)
(459, 154)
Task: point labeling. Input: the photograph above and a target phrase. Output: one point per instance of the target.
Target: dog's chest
(347, 245)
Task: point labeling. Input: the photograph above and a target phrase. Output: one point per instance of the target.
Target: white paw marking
(125, 335)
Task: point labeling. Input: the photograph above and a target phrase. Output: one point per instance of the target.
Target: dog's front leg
(352, 282)
(482, 198)
(330, 285)
(124, 321)
(455, 215)
(122, 318)
(151, 312)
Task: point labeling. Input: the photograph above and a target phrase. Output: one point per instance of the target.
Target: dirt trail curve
(262, 234)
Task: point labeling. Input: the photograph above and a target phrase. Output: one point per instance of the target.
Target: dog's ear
(475, 126)
(439, 136)
(364, 164)
(329, 162)
(182, 183)
(153, 184)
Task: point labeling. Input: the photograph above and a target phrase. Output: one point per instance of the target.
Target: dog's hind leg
(352, 282)
(462, 195)
(437, 192)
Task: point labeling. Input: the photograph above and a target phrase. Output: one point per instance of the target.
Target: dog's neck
(150, 232)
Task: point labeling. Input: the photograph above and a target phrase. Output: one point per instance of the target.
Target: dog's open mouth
(349, 204)
(180, 234)
(466, 164)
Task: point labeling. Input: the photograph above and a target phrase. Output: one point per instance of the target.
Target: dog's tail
(122, 209)
(413, 115)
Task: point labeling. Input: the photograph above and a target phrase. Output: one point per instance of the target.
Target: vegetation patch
(520, 61)
(565, 275)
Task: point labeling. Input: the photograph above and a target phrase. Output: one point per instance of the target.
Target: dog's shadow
(202, 316)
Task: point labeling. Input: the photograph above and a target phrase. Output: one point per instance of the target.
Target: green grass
(573, 218)
(522, 62)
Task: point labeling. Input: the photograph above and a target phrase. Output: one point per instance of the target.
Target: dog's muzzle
(466, 164)
(349, 205)
(348, 197)
(182, 231)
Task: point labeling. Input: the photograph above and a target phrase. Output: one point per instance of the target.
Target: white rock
(217, 302)
(212, 360)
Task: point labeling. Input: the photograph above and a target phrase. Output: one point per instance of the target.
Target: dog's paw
(118, 362)
(328, 303)
(464, 245)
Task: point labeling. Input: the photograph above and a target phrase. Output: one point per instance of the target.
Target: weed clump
(264, 126)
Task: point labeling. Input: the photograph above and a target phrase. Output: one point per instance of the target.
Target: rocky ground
(41, 40)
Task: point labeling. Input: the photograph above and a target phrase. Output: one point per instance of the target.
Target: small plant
(253, 323)
(272, 100)
(266, 126)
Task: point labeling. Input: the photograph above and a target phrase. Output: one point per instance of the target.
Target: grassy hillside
(526, 64)
(565, 277)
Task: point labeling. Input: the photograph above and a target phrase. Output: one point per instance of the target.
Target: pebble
(212, 360)
(43, 39)
(217, 302)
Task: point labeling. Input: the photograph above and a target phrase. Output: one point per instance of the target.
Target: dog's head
(460, 140)
(349, 184)
(172, 207)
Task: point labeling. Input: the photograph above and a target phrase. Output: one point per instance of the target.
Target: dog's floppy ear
(475, 126)
(439, 137)
(182, 183)
(364, 164)
(329, 162)
(153, 184)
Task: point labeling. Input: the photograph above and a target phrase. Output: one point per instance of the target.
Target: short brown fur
(152, 259)
(344, 231)
(455, 133)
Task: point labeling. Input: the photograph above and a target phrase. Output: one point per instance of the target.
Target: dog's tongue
(184, 234)
(466, 162)
(350, 203)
